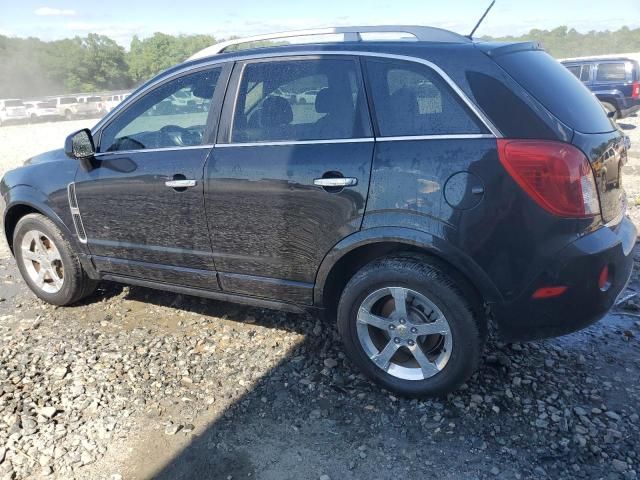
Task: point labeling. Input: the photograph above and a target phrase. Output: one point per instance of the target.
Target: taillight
(557, 176)
(635, 90)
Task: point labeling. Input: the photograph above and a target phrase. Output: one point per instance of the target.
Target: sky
(121, 19)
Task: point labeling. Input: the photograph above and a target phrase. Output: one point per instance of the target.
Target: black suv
(422, 189)
(615, 81)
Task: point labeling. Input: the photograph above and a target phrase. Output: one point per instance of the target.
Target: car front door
(288, 178)
(141, 200)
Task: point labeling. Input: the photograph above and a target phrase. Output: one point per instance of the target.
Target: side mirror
(79, 145)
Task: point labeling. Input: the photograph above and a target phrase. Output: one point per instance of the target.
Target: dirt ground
(136, 384)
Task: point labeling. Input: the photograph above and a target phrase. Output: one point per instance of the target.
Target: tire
(431, 293)
(64, 281)
(609, 107)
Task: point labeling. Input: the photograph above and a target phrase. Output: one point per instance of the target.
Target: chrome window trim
(215, 61)
(296, 142)
(406, 138)
(150, 150)
(454, 136)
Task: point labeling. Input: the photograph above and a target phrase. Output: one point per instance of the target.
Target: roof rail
(351, 34)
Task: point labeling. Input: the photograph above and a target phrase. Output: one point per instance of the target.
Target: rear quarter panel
(501, 231)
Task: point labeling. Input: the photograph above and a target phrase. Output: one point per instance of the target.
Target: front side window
(316, 99)
(611, 72)
(172, 115)
(411, 99)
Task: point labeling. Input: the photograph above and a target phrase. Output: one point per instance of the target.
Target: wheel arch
(351, 254)
(23, 200)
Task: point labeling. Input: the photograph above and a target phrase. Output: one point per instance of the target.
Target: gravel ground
(136, 384)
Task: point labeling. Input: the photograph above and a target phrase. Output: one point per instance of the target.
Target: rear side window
(611, 72)
(411, 99)
(557, 89)
(585, 75)
(68, 101)
(297, 100)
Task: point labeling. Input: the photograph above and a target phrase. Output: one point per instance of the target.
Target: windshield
(13, 103)
(46, 105)
(94, 99)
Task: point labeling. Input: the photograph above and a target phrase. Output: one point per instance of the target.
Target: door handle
(338, 182)
(181, 183)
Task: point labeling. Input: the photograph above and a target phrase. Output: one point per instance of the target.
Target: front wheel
(48, 263)
(407, 326)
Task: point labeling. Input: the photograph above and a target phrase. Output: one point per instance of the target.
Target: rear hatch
(48, 108)
(15, 108)
(570, 102)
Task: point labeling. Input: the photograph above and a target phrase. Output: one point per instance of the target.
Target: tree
(152, 55)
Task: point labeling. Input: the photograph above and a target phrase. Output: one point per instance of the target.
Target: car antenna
(486, 12)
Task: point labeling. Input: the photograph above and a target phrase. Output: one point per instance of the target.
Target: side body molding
(411, 238)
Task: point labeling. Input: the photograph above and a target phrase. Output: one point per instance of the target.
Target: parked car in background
(94, 106)
(39, 111)
(433, 188)
(12, 111)
(112, 101)
(615, 81)
(71, 107)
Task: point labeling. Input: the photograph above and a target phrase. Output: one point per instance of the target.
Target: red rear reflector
(556, 175)
(549, 292)
(603, 280)
(635, 92)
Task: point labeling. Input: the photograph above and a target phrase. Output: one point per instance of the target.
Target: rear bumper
(577, 267)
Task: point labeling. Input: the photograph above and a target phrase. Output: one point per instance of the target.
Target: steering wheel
(170, 132)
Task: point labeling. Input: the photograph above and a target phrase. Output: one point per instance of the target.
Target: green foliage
(563, 42)
(30, 67)
(152, 55)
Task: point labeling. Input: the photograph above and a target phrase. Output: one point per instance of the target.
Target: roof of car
(402, 33)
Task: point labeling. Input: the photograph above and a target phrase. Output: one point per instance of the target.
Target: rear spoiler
(495, 49)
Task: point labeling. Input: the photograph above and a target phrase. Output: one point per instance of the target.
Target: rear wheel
(407, 326)
(47, 262)
(611, 110)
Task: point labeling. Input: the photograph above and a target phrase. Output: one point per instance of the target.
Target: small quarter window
(411, 99)
(297, 100)
(585, 75)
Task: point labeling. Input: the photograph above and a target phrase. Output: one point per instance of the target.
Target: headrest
(276, 112)
(405, 100)
(323, 101)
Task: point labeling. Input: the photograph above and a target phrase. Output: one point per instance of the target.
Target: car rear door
(288, 179)
(141, 200)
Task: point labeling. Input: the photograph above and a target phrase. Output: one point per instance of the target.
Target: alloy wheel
(404, 333)
(42, 261)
